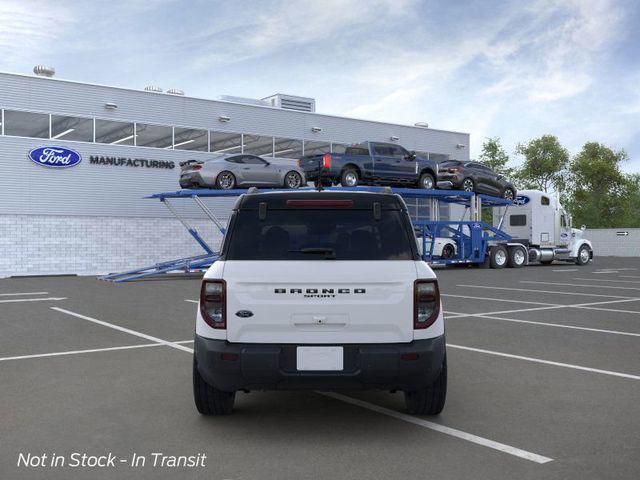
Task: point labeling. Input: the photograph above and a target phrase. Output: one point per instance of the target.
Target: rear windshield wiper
(329, 252)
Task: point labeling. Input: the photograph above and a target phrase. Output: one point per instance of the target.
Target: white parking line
(605, 280)
(546, 291)
(48, 299)
(90, 350)
(469, 437)
(546, 324)
(125, 330)
(566, 270)
(192, 301)
(629, 276)
(497, 299)
(546, 362)
(580, 285)
(27, 293)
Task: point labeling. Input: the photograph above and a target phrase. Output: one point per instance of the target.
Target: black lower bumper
(397, 366)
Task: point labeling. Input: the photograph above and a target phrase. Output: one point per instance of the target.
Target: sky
(509, 69)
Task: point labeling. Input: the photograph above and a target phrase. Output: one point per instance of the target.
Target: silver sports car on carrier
(241, 170)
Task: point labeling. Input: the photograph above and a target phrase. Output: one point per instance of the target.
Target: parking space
(544, 382)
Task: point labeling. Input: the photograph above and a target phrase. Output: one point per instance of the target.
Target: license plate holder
(320, 359)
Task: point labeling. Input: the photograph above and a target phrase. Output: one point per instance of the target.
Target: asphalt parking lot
(544, 382)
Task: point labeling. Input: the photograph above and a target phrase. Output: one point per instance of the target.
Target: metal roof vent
(153, 88)
(291, 102)
(175, 91)
(44, 71)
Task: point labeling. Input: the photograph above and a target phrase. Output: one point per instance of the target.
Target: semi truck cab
(538, 221)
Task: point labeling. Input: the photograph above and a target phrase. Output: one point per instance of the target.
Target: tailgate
(332, 302)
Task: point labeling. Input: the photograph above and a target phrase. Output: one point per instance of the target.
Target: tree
(600, 195)
(545, 164)
(494, 156)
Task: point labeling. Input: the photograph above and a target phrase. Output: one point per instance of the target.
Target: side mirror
(410, 156)
(583, 228)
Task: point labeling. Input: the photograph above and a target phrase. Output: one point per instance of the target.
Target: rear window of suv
(321, 234)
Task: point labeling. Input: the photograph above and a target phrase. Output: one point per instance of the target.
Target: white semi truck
(541, 232)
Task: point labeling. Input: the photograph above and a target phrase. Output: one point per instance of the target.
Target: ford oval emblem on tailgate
(55, 157)
(244, 313)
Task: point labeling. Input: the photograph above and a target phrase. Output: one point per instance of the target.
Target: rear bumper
(189, 180)
(273, 367)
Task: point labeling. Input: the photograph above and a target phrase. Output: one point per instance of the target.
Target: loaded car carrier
(537, 229)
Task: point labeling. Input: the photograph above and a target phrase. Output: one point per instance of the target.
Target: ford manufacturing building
(92, 218)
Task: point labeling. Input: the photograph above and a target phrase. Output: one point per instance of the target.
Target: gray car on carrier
(241, 170)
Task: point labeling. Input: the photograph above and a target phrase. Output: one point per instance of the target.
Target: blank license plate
(320, 358)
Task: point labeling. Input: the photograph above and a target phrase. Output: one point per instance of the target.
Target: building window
(338, 148)
(287, 148)
(71, 128)
(316, 148)
(157, 136)
(257, 145)
(115, 133)
(190, 139)
(545, 200)
(26, 124)
(225, 142)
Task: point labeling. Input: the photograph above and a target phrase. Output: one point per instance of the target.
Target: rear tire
(429, 400)
(517, 257)
(508, 194)
(292, 180)
(225, 180)
(349, 178)
(448, 251)
(468, 185)
(499, 257)
(209, 400)
(427, 181)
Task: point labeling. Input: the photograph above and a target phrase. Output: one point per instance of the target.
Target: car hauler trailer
(539, 225)
(468, 240)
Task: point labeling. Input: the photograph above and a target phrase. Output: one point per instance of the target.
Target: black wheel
(584, 255)
(349, 177)
(448, 251)
(508, 194)
(468, 185)
(499, 257)
(546, 262)
(429, 400)
(292, 180)
(210, 400)
(517, 257)
(427, 182)
(226, 180)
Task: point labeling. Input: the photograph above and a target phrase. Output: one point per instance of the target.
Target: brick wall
(49, 245)
(611, 242)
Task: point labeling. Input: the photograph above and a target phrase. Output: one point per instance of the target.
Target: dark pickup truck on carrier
(371, 163)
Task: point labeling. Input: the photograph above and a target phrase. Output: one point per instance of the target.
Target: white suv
(319, 291)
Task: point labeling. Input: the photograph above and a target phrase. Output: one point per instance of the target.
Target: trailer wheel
(499, 257)
(517, 257)
(584, 255)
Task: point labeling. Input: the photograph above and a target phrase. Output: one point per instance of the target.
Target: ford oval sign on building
(55, 157)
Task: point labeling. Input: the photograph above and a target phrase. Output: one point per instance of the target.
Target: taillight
(196, 167)
(299, 162)
(213, 303)
(326, 161)
(426, 303)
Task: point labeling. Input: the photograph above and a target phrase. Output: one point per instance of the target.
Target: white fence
(614, 242)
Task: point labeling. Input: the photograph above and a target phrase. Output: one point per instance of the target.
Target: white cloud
(29, 30)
